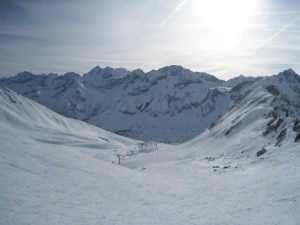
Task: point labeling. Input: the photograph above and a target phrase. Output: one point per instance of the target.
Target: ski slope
(56, 170)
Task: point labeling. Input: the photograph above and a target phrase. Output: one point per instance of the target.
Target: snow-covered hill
(170, 105)
(24, 118)
(56, 170)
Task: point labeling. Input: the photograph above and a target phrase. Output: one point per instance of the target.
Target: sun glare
(225, 22)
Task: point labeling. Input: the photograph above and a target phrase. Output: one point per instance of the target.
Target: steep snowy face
(172, 104)
(269, 106)
(20, 114)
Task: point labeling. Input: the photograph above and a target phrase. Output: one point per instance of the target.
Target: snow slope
(56, 170)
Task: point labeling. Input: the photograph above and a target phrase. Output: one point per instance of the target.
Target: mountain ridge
(171, 104)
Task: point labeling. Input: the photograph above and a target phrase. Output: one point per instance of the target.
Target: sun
(224, 22)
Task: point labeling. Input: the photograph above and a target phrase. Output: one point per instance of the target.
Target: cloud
(60, 36)
(276, 34)
(11, 12)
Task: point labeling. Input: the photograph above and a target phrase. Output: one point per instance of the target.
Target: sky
(225, 38)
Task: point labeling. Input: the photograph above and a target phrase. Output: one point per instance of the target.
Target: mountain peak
(71, 75)
(289, 72)
(96, 70)
(106, 73)
(23, 77)
(173, 69)
(289, 75)
(24, 73)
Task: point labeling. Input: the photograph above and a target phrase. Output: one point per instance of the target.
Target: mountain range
(169, 105)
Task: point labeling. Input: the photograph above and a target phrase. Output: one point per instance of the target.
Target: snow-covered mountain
(172, 104)
(24, 117)
(272, 103)
(57, 170)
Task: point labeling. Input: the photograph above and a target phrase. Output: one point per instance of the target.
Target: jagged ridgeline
(170, 105)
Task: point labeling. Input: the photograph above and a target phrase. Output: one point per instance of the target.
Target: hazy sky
(225, 38)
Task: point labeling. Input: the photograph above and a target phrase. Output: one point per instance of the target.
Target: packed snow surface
(56, 170)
